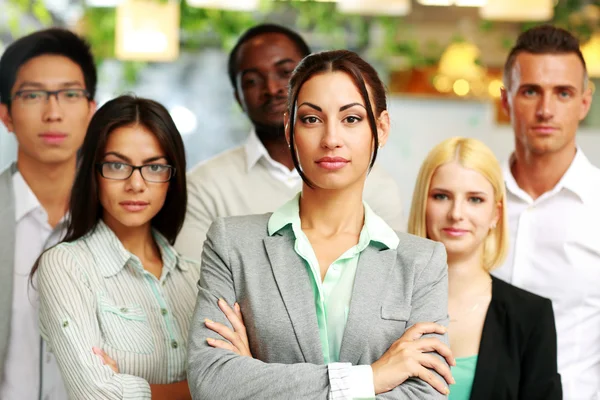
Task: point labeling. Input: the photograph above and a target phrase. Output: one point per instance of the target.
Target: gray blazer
(393, 290)
(7, 255)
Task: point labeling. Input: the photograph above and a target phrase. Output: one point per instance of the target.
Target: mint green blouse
(332, 295)
(464, 374)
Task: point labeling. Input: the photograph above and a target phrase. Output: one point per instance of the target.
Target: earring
(493, 226)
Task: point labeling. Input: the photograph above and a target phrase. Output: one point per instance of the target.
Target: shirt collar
(25, 200)
(102, 240)
(255, 150)
(374, 229)
(573, 180)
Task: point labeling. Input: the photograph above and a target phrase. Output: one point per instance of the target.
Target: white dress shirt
(27, 356)
(555, 253)
(257, 153)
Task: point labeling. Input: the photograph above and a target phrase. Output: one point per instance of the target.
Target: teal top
(332, 295)
(464, 374)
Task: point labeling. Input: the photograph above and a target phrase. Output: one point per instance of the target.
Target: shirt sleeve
(349, 382)
(69, 325)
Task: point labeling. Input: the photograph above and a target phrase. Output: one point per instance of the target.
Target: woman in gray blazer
(327, 289)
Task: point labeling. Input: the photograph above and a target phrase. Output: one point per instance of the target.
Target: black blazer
(517, 353)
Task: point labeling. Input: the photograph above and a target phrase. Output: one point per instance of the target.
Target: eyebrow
(538, 87)
(277, 64)
(342, 108)
(475, 193)
(127, 159)
(39, 85)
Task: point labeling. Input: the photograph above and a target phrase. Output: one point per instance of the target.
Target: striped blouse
(94, 293)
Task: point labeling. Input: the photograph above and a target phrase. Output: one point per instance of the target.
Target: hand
(406, 358)
(106, 360)
(238, 340)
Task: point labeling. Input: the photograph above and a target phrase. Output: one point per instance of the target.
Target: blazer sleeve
(219, 374)
(539, 371)
(429, 304)
(69, 325)
(201, 212)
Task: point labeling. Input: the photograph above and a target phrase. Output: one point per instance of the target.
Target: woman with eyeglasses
(115, 297)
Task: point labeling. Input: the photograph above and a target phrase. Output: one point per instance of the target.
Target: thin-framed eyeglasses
(158, 173)
(39, 96)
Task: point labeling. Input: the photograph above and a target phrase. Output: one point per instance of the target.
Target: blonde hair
(472, 154)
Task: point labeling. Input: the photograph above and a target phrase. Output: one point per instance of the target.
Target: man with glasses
(259, 176)
(47, 86)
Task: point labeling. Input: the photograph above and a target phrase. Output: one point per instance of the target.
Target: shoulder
(518, 301)
(236, 227)
(63, 260)
(416, 248)
(229, 163)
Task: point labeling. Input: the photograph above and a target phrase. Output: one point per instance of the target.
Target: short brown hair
(544, 39)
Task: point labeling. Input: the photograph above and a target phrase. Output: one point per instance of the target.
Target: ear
(586, 101)
(93, 106)
(5, 117)
(286, 125)
(497, 214)
(383, 127)
(504, 101)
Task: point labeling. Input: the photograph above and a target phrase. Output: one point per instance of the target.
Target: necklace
(475, 306)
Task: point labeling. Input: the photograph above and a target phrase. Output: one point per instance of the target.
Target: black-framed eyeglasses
(158, 173)
(63, 96)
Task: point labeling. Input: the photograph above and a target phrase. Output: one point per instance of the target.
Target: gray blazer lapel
(7, 253)
(374, 267)
(293, 280)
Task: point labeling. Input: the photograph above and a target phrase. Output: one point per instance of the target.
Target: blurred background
(440, 59)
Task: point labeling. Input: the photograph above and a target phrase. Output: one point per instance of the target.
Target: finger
(220, 344)
(225, 332)
(235, 321)
(433, 362)
(238, 312)
(429, 377)
(423, 328)
(426, 345)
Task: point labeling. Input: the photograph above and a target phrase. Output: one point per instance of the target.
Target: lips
(455, 232)
(134, 206)
(544, 129)
(53, 138)
(332, 163)
(276, 106)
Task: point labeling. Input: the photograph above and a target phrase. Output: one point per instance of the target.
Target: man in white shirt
(47, 86)
(259, 176)
(553, 194)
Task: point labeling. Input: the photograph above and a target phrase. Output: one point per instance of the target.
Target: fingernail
(96, 350)
(447, 391)
(210, 340)
(208, 321)
(453, 381)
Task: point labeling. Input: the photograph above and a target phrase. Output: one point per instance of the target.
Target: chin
(134, 221)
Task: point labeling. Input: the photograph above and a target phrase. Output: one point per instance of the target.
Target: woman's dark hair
(360, 71)
(85, 209)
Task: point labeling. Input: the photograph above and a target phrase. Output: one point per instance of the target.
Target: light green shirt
(464, 374)
(333, 294)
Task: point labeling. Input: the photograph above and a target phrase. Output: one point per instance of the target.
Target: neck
(50, 183)
(538, 174)
(137, 240)
(332, 211)
(466, 275)
(274, 141)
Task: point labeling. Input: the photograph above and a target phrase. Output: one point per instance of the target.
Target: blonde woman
(503, 338)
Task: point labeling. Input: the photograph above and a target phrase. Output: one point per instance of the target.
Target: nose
(545, 108)
(275, 85)
(52, 110)
(456, 212)
(331, 136)
(136, 183)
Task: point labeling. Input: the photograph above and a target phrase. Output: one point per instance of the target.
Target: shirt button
(174, 344)
(163, 311)
(124, 309)
(65, 324)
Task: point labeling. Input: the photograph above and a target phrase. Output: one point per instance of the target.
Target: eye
(440, 196)
(32, 95)
(476, 200)
(565, 94)
(353, 119)
(157, 168)
(529, 92)
(116, 166)
(311, 119)
(73, 94)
